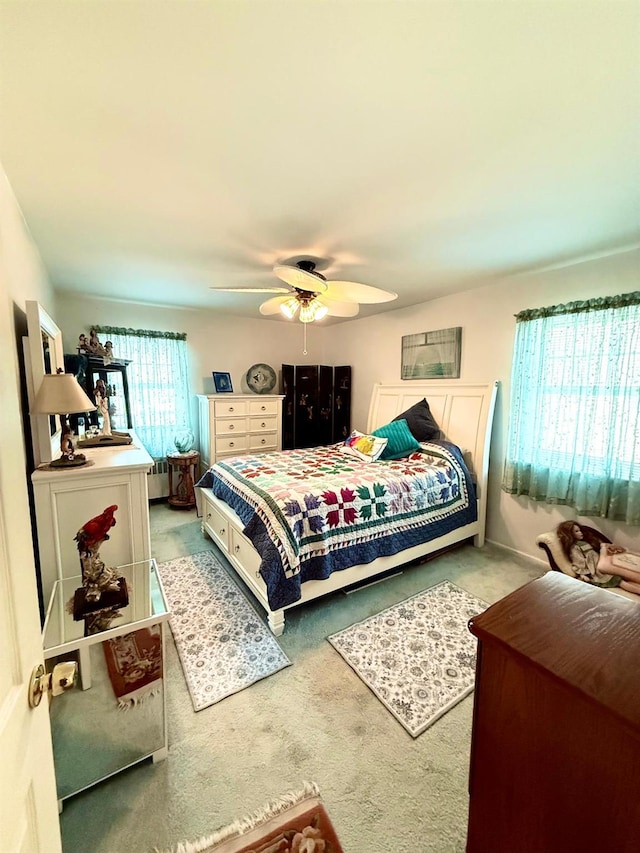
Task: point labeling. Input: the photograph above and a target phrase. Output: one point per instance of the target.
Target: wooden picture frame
(222, 381)
(432, 355)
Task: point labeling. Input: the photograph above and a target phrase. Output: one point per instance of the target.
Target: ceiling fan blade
(340, 309)
(272, 306)
(300, 278)
(275, 289)
(352, 291)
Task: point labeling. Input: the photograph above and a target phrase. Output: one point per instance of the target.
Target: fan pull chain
(304, 339)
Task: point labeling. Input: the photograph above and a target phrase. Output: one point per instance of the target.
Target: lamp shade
(60, 394)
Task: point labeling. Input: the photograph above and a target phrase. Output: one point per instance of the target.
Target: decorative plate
(261, 378)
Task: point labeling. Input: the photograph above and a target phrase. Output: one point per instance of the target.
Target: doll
(95, 347)
(591, 561)
(102, 402)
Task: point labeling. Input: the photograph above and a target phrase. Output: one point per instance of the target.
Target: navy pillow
(401, 443)
(421, 422)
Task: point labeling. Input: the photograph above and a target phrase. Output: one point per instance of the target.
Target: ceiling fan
(310, 296)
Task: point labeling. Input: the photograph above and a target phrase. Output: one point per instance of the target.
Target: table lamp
(60, 394)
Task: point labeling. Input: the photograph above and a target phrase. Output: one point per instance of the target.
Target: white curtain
(158, 383)
(574, 418)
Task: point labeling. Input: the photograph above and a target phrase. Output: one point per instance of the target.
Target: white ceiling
(157, 148)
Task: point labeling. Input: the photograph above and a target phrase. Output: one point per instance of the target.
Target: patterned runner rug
(418, 656)
(223, 644)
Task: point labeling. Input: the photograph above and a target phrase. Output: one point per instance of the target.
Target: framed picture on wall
(432, 355)
(222, 381)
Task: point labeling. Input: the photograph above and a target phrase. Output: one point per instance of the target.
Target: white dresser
(237, 424)
(65, 499)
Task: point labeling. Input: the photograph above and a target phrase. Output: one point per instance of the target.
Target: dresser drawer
(231, 445)
(231, 426)
(229, 407)
(263, 441)
(269, 423)
(264, 407)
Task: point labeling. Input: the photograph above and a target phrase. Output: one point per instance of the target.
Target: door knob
(60, 679)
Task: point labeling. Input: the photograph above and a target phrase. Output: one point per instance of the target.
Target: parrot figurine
(96, 530)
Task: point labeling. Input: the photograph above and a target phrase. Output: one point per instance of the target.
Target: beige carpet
(314, 720)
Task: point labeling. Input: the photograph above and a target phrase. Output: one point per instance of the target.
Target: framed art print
(222, 381)
(432, 355)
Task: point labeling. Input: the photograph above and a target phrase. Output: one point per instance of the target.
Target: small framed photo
(222, 381)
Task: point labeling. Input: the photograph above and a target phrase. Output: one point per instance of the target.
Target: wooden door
(28, 802)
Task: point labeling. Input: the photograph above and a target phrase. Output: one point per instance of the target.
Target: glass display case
(120, 667)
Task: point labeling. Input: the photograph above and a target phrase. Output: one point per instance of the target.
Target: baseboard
(529, 557)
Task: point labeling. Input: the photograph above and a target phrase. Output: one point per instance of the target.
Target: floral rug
(223, 645)
(418, 656)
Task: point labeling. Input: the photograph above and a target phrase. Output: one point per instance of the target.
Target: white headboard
(463, 412)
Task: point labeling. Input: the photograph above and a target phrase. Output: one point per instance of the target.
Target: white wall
(373, 346)
(214, 342)
(22, 270)
(23, 274)
(22, 277)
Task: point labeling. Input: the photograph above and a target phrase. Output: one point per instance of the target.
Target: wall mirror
(43, 353)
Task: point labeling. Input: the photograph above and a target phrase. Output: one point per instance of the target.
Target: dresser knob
(263, 425)
(231, 426)
(264, 408)
(231, 408)
(232, 444)
(237, 548)
(264, 441)
(222, 531)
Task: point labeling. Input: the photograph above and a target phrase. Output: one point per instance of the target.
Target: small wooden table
(186, 463)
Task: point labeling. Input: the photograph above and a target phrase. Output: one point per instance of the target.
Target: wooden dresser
(556, 725)
(237, 424)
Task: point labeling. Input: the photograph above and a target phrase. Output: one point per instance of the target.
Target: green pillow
(400, 440)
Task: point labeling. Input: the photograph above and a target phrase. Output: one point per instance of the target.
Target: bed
(282, 525)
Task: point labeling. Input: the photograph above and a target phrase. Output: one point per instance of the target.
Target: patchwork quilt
(314, 511)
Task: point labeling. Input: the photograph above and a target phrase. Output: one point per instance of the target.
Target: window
(158, 383)
(574, 424)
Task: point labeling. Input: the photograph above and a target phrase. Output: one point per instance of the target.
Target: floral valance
(602, 303)
(141, 333)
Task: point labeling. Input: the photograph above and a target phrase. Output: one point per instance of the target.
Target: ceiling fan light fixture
(321, 311)
(311, 310)
(290, 308)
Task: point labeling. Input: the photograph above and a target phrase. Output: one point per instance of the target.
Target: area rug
(134, 663)
(297, 822)
(222, 643)
(418, 657)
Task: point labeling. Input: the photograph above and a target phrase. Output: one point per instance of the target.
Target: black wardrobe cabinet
(317, 405)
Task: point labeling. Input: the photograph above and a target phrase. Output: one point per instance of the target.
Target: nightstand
(186, 465)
